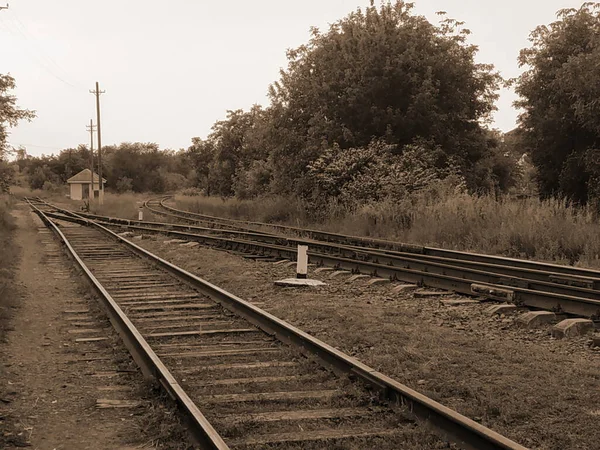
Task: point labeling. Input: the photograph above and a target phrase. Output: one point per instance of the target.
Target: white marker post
(141, 213)
(302, 265)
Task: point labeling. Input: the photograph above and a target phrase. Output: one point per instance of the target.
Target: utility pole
(91, 127)
(97, 93)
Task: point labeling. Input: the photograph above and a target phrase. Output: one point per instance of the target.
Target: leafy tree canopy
(10, 115)
(560, 126)
(381, 73)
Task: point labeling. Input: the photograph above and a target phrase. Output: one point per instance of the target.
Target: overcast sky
(172, 68)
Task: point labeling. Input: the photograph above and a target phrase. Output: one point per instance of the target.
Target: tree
(235, 146)
(380, 73)
(559, 93)
(10, 115)
(139, 167)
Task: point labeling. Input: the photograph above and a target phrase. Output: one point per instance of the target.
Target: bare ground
(50, 383)
(541, 392)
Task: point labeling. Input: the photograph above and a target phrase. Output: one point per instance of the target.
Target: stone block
(324, 269)
(357, 277)
(534, 319)
(378, 281)
(404, 288)
(596, 341)
(572, 328)
(337, 273)
(506, 308)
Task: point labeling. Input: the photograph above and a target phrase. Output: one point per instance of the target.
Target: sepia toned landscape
(369, 257)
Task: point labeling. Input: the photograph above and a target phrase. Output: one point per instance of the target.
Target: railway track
(539, 286)
(159, 206)
(242, 377)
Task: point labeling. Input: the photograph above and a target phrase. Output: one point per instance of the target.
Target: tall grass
(549, 230)
(8, 262)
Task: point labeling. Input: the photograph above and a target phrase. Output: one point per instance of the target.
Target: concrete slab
(126, 233)
(190, 244)
(422, 294)
(501, 309)
(572, 328)
(289, 264)
(378, 281)
(534, 319)
(404, 288)
(324, 269)
(138, 238)
(357, 277)
(337, 273)
(299, 282)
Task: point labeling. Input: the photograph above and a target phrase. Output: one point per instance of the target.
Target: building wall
(76, 191)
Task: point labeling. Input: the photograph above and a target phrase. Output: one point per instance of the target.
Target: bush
(441, 215)
(124, 184)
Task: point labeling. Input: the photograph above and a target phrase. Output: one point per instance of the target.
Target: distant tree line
(382, 105)
(128, 167)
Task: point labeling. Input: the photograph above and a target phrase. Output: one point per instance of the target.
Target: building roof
(84, 177)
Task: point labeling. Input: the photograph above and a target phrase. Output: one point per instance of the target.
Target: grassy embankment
(115, 205)
(551, 230)
(7, 264)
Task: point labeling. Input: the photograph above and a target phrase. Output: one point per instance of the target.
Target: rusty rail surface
(454, 426)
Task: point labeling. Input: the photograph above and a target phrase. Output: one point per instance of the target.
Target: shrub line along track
(540, 286)
(562, 289)
(364, 242)
(136, 287)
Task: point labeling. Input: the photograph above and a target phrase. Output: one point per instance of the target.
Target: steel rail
(539, 295)
(390, 245)
(458, 428)
(500, 274)
(150, 364)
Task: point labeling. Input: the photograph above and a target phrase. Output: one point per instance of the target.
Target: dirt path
(51, 377)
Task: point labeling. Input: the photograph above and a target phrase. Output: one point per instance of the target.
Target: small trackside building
(80, 185)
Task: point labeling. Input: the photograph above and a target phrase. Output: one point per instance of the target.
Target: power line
(23, 30)
(37, 146)
(37, 57)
